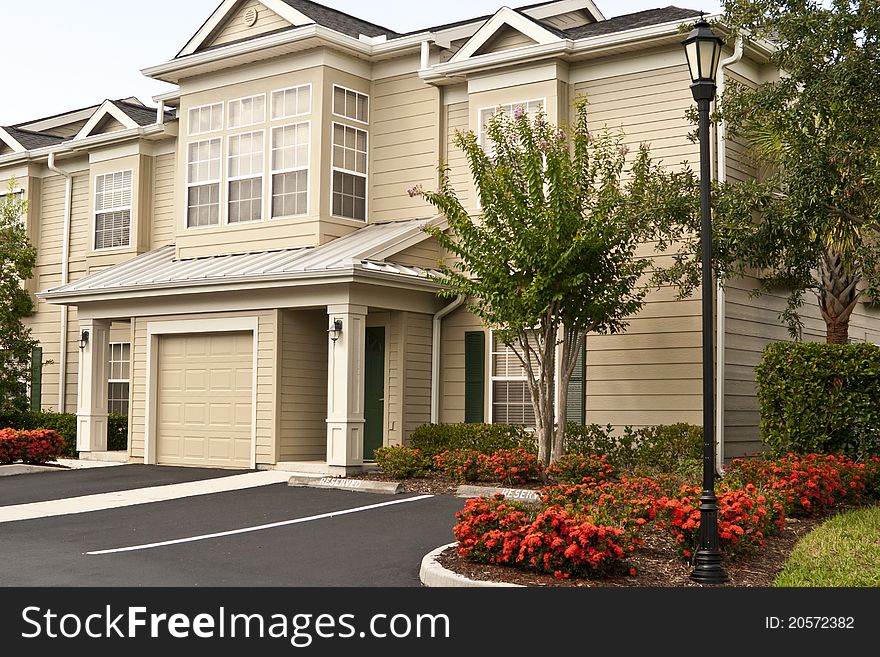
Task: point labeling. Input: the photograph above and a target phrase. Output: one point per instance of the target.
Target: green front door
(374, 391)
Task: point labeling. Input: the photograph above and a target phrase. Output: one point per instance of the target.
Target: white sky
(60, 55)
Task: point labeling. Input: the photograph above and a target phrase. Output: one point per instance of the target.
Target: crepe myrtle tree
(17, 259)
(552, 254)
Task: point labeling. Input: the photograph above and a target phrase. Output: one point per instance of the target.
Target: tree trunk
(838, 295)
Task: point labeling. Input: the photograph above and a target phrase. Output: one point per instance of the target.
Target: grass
(842, 552)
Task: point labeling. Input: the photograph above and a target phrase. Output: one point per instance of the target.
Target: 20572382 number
(820, 623)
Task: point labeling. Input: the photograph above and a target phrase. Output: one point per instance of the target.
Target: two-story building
(242, 272)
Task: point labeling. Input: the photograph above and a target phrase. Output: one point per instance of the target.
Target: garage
(204, 405)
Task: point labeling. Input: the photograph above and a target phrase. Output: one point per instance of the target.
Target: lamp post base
(708, 569)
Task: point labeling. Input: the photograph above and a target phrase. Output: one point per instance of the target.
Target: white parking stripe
(257, 528)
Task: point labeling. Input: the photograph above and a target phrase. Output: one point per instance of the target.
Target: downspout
(721, 329)
(435, 356)
(65, 273)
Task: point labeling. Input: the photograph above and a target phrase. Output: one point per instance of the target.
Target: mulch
(656, 562)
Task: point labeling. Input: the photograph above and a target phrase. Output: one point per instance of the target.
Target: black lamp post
(703, 49)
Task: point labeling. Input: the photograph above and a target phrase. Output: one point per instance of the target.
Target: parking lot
(264, 535)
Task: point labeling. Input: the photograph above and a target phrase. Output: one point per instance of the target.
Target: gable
(568, 20)
(238, 27)
(107, 125)
(5, 149)
(507, 38)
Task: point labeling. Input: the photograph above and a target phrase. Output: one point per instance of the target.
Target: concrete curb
(342, 483)
(433, 574)
(23, 469)
(526, 495)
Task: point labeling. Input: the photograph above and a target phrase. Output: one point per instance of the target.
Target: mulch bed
(656, 562)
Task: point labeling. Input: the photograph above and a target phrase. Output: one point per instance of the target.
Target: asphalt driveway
(314, 537)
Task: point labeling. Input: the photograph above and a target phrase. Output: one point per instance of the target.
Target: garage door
(205, 397)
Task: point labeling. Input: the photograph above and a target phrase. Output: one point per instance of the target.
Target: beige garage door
(205, 399)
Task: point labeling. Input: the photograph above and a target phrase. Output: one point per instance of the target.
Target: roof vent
(250, 16)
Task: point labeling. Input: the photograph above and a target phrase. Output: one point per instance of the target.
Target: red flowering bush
(508, 466)
(459, 464)
(628, 503)
(37, 446)
(745, 517)
(490, 530)
(578, 468)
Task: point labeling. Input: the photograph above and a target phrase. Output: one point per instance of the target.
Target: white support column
(345, 388)
(91, 412)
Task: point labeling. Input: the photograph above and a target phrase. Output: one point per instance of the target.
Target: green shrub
(620, 451)
(820, 398)
(670, 447)
(433, 439)
(65, 425)
(405, 462)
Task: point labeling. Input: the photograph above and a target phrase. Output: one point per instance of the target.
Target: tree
(552, 256)
(816, 131)
(17, 260)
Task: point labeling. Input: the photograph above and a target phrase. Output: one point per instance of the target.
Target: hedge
(434, 439)
(65, 425)
(818, 397)
(667, 447)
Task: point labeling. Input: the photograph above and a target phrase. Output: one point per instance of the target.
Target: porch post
(91, 397)
(345, 387)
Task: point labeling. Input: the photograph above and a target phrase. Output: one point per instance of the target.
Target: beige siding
(109, 124)
(302, 386)
(163, 217)
(395, 379)
(234, 28)
(404, 147)
(426, 255)
(459, 173)
(649, 106)
(740, 164)
(507, 39)
(568, 20)
(417, 360)
(67, 130)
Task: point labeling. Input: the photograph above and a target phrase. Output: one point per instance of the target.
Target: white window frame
(121, 208)
(285, 117)
(366, 175)
(230, 179)
(481, 127)
(353, 91)
(17, 192)
(273, 172)
(110, 362)
(492, 378)
(190, 129)
(240, 101)
(218, 182)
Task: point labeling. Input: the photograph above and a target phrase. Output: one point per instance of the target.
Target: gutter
(435, 356)
(720, 327)
(65, 274)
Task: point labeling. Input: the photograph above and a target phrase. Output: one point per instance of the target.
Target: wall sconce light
(83, 339)
(336, 330)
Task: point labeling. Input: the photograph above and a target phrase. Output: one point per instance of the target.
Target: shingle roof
(140, 114)
(632, 21)
(31, 140)
(340, 21)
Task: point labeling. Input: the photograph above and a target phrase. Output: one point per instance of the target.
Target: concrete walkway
(115, 500)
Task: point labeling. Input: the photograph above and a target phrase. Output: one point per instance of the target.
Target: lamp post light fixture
(703, 50)
(83, 339)
(335, 330)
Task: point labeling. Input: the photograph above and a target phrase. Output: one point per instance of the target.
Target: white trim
(225, 10)
(344, 116)
(285, 117)
(563, 7)
(229, 178)
(365, 175)
(219, 182)
(10, 141)
(92, 246)
(186, 326)
(273, 172)
(108, 108)
(57, 121)
(504, 17)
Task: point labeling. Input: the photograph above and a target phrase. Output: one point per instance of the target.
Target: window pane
(245, 200)
(290, 194)
(349, 195)
(203, 205)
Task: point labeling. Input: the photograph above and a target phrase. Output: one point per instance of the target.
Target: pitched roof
(340, 21)
(139, 113)
(632, 21)
(31, 140)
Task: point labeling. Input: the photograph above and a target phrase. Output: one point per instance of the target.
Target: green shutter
(36, 378)
(576, 408)
(474, 376)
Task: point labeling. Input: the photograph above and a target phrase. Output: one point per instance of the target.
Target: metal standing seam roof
(360, 250)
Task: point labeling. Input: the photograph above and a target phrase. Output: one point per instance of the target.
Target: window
(117, 393)
(290, 170)
(351, 104)
(532, 107)
(349, 172)
(208, 118)
(247, 111)
(511, 401)
(294, 101)
(203, 183)
(245, 175)
(113, 210)
(12, 197)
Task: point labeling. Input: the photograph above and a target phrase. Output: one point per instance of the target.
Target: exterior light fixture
(703, 50)
(83, 339)
(336, 330)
